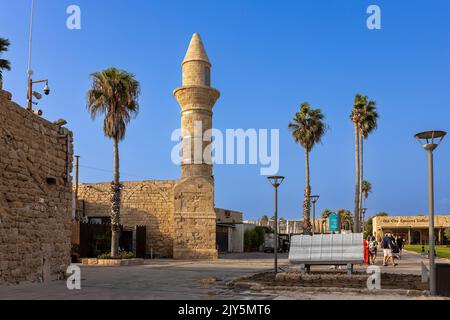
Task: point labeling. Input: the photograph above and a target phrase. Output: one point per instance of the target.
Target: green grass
(441, 251)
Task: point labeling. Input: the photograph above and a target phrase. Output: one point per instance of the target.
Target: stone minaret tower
(194, 215)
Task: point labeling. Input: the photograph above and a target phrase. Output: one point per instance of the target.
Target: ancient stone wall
(148, 203)
(35, 195)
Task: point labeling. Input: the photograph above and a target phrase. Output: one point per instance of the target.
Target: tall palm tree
(355, 116)
(114, 94)
(308, 129)
(4, 64)
(368, 122)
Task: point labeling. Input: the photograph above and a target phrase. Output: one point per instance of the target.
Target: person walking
(400, 242)
(373, 244)
(387, 245)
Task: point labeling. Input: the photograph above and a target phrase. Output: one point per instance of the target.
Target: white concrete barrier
(327, 249)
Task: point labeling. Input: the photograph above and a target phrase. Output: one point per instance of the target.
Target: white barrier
(327, 249)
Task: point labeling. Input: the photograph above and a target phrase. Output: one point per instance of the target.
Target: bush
(447, 235)
(122, 255)
(254, 238)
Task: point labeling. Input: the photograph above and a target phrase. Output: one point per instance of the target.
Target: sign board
(333, 222)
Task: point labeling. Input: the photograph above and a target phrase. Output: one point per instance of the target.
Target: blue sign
(333, 222)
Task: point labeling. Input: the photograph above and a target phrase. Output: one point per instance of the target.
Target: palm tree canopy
(346, 216)
(114, 93)
(326, 213)
(368, 118)
(366, 188)
(358, 105)
(4, 64)
(308, 127)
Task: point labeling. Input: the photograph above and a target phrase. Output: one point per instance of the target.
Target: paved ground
(168, 279)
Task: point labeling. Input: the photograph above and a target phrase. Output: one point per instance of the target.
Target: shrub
(122, 255)
(254, 238)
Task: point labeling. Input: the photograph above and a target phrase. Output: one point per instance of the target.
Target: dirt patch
(333, 280)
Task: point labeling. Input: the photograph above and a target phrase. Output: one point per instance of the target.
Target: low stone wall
(113, 262)
(35, 195)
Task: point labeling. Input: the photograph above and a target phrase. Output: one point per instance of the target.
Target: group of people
(392, 249)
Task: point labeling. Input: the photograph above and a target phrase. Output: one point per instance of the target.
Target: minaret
(196, 98)
(194, 224)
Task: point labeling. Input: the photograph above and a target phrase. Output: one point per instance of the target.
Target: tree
(355, 118)
(369, 223)
(308, 129)
(364, 118)
(366, 188)
(346, 218)
(264, 218)
(325, 214)
(447, 234)
(114, 94)
(4, 64)
(368, 122)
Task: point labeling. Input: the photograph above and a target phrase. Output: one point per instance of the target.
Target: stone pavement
(170, 279)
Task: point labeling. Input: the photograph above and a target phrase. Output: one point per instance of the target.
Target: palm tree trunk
(361, 179)
(306, 200)
(116, 188)
(357, 181)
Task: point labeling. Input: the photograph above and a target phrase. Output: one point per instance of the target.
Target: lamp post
(276, 181)
(363, 216)
(430, 140)
(314, 200)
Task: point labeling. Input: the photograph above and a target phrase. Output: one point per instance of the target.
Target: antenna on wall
(30, 41)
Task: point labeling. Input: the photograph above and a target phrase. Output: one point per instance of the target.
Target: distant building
(229, 231)
(414, 229)
(290, 226)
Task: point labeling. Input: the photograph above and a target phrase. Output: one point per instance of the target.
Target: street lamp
(430, 140)
(314, 200)
(276, 181)
(363, 214)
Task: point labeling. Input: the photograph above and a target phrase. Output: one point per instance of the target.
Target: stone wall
(35, 195)
(194, 219)
(148, 203)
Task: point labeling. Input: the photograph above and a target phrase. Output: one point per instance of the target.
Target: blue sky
(268, 57)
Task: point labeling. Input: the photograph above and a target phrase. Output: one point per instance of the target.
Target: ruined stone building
(35, 195)
(179, 215)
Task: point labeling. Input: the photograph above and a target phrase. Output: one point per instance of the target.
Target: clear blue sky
(268, 57)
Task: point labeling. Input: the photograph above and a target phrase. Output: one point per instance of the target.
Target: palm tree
(368, 122)
(114, 93)
(325, 214)
(308, 128)
(366, 188)
(355, 116)
(4, 64)
(346, 218)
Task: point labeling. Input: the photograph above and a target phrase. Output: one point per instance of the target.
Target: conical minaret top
(196, 65)
(196, 51)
